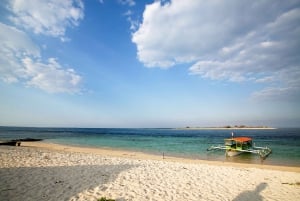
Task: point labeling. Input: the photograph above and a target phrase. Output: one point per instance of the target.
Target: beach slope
(62, 173)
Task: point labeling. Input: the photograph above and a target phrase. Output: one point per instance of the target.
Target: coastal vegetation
(245, 126)
(231, 127)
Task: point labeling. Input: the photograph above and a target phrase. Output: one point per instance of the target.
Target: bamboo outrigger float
(237, 145)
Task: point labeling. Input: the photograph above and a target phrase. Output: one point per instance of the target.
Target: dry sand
(41, 171)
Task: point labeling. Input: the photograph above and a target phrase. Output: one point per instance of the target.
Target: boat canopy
(241, 139)
(241, 145)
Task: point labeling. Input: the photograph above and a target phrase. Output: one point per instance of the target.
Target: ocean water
(284, 142)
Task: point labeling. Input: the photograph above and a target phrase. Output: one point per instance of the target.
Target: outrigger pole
(263, 152)
(235, 145)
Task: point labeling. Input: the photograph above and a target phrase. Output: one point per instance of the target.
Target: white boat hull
(232, 153)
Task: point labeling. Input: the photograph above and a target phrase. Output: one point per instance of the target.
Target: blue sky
(129, 63)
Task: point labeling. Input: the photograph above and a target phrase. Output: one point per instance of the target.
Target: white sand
(64, 173)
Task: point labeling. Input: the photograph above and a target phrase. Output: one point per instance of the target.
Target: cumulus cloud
(51, 76)
(20, 57)
(20, 61)
(235, 40)
(15, 45)
(49, 18)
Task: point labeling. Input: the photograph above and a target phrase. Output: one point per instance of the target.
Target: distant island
(227, 127)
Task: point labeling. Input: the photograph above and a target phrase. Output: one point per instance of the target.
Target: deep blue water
(284, 142)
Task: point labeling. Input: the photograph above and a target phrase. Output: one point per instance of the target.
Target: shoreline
(46, 171)
(137, 155)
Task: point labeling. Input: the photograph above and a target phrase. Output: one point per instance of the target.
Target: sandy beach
(43, 171)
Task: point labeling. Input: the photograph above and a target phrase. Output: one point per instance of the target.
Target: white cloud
(133, 23)
(15, 45)
(51, 77)
(20, 61)
(284, 84)
(17, 41)
(225, 40)
(50, 17)
(127, 2)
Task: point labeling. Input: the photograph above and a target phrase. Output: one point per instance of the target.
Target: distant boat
(237, 145)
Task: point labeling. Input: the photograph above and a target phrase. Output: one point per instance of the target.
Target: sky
(149, 63)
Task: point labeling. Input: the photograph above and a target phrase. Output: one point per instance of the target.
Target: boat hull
(232, 153)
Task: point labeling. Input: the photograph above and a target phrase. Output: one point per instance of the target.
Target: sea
(184, 143)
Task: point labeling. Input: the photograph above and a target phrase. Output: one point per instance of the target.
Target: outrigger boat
(237, 145)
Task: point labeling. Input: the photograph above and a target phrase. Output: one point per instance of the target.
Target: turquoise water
(285, 143)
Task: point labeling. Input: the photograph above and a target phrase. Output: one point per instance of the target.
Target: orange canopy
(242, 139)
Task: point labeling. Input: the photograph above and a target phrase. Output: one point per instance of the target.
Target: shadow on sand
(252, 195)
(54, 183)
